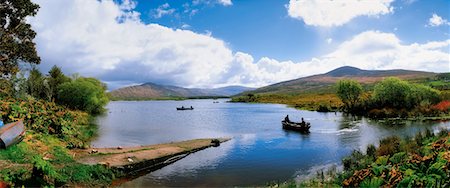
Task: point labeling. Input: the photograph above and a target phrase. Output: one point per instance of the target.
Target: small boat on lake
(183, 108)
(11, 134)
(302, 127)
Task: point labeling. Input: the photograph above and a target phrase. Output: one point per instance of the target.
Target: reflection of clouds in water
(246, 140)
(188, 166)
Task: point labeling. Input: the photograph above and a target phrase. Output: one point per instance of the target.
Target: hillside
(155, 91)
(323, 82)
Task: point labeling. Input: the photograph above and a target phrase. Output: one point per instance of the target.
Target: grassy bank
(44, 157)
(422, 161)
(305, 101)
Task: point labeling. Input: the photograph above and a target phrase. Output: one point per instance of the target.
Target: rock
(130, 159)
(215, 142)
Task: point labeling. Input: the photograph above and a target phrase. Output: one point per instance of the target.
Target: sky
(215, 43)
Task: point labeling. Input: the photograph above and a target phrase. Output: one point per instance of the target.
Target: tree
(391, 92)
(16, 36)
(55, 79)
(87, 94)
(349, 91)
(35, 84)
(396, 93)
(421, 93)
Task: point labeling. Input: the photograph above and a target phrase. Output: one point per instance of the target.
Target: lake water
(260, 150)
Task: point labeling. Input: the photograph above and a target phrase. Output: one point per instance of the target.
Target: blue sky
(264, 28)
(212, 43)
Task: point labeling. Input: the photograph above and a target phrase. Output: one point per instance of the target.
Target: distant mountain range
(321, 82)
(156, 91)
(315, 83)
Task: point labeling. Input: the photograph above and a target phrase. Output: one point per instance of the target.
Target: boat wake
(337, 132)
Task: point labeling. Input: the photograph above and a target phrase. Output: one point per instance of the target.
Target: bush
(371, 151)
(396, 93)
(349, 92)
(48, 118)
(389, 146)
(86, 94)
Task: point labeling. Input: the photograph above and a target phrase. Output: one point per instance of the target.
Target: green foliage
(37, 86)
(41, 160)
(19, 153)
(398, 157)
(419, 93)
(372, 182)
(396, 93)
(86, 94)
(349, 91)
(48, 118)
(87, 174)
(391, 92)
(42, 167)
(16, 38)
(371, 150)
(55, 79)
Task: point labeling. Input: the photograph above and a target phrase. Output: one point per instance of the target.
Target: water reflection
(260, 150)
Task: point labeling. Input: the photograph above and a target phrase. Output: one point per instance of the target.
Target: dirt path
(131, 159)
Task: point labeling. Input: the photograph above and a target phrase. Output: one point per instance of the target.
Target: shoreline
(131, 162)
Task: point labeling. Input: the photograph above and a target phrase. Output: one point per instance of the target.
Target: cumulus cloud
(330, 13)
(436, 20)
(107, 40)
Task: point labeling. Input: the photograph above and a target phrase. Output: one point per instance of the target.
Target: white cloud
(163, 10)
(436, 20)
(87, 37)
(185, 26)
(329, 40)
(330, 13)
(226, 2)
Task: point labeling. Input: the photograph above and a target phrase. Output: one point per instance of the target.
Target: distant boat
(11, 134)
(183, 108)
(302, 127)
(215, 101)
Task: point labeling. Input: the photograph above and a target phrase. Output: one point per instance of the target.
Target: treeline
(391, 97)
(77, 93)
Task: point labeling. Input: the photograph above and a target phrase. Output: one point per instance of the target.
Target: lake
(260, 150)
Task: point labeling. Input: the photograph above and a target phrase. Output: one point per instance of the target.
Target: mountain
(155, 91)
(323, 82)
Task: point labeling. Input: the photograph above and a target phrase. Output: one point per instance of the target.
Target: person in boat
(303, 123)
(287, 119)
(182, 107)
(191, 107)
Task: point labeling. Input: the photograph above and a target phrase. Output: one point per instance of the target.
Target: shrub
(48, 118)
(396, 93)
(389, 146)
(371, 150)
(391, 92)
(86, 94)
(443, 106)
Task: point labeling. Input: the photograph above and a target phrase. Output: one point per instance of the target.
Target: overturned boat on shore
(11, 134)
(302, 127)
